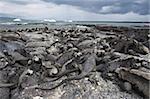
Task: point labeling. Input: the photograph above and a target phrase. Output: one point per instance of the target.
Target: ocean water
(30, 24)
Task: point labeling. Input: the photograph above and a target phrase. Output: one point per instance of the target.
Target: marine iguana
(87, 67)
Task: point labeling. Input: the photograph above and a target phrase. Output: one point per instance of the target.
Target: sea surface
(31, 24)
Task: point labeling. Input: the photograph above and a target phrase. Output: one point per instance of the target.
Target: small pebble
(30, 71)
(35, 58)
(38, 97)
(127, 86)
(54, 70)
(110, 74)
(93, 88)
(86, 78)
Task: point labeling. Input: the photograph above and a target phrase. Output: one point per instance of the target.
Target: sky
(78, 10)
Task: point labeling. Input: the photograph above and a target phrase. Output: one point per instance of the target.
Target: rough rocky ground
(77, 62)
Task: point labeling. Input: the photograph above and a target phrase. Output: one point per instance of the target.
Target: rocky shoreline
(75, 62)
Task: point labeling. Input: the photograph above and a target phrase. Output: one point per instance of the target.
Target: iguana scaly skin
(4, 85)
(88, 66)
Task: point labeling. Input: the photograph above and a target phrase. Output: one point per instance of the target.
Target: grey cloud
(21, 2)
(76, 9)
(117, 6)
(100, 6)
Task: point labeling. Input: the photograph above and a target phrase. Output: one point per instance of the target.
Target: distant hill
(6, 19)
(10, 19)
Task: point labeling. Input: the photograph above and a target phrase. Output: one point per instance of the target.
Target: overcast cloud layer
(93, 10)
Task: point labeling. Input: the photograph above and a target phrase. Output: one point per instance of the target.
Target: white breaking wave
(12, 23)
(8, 23)
(70, 21)
(17, 20)
(49, 20)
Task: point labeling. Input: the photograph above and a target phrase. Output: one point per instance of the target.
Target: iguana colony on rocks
(51, 55)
